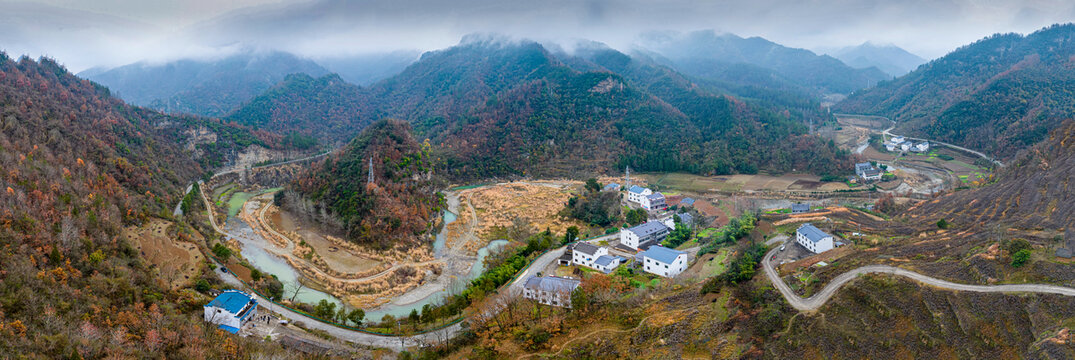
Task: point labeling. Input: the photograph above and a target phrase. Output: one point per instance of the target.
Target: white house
(550, 290)
(867, 172)
(663, 261)
(650, 232)
(905, 146)
(230, 310)
(636, 193)
(607, 263)
(813, 239)
(585, 254)
(654, 201)
(898, 140)
(920, 147)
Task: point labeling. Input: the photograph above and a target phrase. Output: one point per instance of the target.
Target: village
(669, 241)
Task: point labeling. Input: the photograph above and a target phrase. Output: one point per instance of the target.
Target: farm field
(731, 183)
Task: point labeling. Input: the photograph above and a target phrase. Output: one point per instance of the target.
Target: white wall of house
(824, 245)
(587, 260)
(219, 316)
(548, 297)
(629, 238)
(664, 269)
(637, 198)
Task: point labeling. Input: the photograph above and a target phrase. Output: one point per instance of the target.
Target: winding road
(814, 302)
(888, 132)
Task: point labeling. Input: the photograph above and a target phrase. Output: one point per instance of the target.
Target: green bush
(943, 224)
(1020, 257)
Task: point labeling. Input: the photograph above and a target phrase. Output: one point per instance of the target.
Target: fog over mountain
(111, 33)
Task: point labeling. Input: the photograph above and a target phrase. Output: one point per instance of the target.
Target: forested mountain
(494, 107)
(79, 165)
(1000, 94)
(745, 61)
(891, 59)
(392, 210)
(325, 107)
(202, 87)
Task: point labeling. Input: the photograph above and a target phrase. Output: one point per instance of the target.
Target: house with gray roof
(663, 261)
(800, 208)
(867, 172)
(684, 218)
(654, 201)
(585, 254)
(611, 187)
(607, 263)
(813, 239)
(650, 232)
(686, 202)
(550, 290)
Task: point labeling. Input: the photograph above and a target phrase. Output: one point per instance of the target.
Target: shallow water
(438, 242)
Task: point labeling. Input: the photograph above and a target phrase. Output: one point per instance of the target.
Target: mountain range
(211, 87)
(496, 107)
(1000, 94)
(891, 59)
(756, 61)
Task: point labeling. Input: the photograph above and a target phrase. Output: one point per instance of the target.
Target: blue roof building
(686, 202)
(663, 261)
(637, 189)
(611, 187)
(231, 309)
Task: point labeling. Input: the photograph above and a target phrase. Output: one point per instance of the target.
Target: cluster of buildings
(900, 143)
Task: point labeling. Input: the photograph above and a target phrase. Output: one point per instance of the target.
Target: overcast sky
(83, 34)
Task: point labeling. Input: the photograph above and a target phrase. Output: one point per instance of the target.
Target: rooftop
(231, 300)
(604, 260)
(552, 284)
(655, 196)
(800, 207)
(636, 189)
(863, 166)
(649, 227)
(812, 233)
(686, 202)
(686, 218)
(585, 248)
(611, 186)
(662, 254)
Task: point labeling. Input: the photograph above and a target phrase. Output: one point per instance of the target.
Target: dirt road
(814, 302)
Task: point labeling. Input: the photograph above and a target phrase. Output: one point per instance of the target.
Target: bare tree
(298, 286)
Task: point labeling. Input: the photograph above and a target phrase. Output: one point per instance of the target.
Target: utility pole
(370, 181)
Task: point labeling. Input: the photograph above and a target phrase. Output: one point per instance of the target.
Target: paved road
(889, 133)
(814, 302)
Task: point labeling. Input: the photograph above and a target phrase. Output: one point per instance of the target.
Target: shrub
(1020, 257)
(943, 224)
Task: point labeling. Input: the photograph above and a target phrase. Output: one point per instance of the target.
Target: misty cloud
(116, 32)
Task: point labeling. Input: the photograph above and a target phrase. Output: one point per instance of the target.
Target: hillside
(998, 95)
(1032, 192)
(727, 58)
(326, 108)
(393, 210)
(79, 166)
(891, 59)
(493, 107)
(202, 87)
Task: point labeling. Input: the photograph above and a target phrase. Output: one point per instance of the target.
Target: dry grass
(177, 261)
